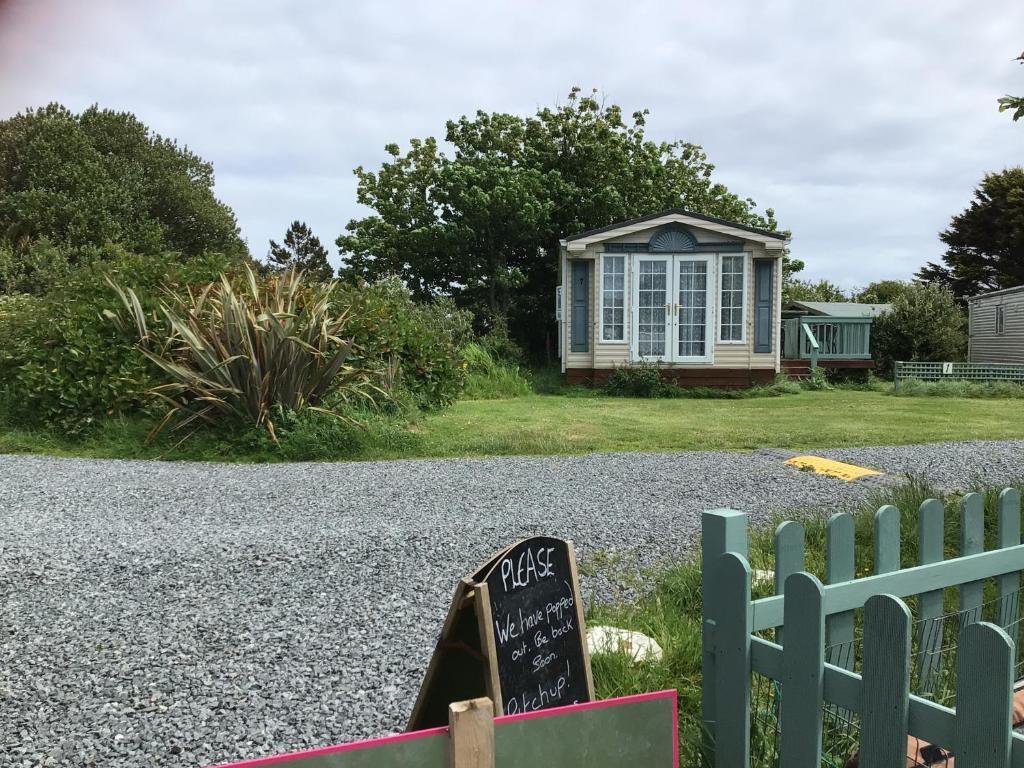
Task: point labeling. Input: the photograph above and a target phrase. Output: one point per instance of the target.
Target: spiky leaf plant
(245, 350)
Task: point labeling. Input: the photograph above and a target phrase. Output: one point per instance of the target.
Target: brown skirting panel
(731, 378)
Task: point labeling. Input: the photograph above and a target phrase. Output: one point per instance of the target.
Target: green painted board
(617, 733)
(614, 733)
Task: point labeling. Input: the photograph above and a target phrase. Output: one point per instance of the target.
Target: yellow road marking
(831, 468)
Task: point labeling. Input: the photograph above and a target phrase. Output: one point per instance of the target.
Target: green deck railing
(838, 338)
(868, 665)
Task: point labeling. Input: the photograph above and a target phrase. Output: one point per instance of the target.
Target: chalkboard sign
(539, 643)
(514, 633)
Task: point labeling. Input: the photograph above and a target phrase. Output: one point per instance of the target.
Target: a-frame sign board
(514, 633)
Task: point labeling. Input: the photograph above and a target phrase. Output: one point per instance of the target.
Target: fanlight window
(673, 240)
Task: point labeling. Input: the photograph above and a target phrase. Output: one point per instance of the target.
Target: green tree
(810, 290)
(882, 291)
(82, 181)
(483, 223)
(925, 323)
(301, 249)
(1015, 103)
(986, 242)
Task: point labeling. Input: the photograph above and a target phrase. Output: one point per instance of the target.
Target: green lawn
(552, 424)
(587, 423)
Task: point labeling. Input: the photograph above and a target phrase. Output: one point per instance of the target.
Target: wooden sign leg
(471, 730)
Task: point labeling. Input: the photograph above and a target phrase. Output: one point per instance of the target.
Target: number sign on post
(514, 633)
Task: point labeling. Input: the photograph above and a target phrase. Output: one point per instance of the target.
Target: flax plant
(246, 350)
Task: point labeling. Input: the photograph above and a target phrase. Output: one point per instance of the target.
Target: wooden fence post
(886, 683)
(984, 697)
(789, 558)
(931, 549)
(471, 734)
(839, 566)
(1009, 583)
(732, 672)
(803, 673)
(722, 530)
(972, 541)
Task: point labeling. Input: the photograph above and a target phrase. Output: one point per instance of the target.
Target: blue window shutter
(580, 306)
(763, 306)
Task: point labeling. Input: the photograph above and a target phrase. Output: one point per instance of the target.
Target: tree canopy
(811, 290)
(986, 242)
(301, 249)
(924, 323)
(482, 223)
(81, 181)
(1014, 104)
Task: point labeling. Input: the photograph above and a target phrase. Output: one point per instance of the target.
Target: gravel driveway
(171, 614)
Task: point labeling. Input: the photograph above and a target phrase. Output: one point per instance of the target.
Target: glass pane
(651, 300)
(692, 318)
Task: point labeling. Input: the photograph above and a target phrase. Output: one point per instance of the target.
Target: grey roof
(1002, 292)
(841, 308)
(680, 212)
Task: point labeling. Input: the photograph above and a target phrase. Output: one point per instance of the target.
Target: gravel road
(172, 614)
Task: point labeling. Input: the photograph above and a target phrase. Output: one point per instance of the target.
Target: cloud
(865, 127)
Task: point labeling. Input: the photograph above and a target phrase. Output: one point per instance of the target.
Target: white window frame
(745, 299)
(626, 314)
(1000, 320)
(672, 331)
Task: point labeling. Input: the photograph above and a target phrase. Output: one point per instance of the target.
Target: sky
(866, 125)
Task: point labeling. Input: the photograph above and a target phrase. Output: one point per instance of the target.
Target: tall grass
(670, 609)
(960, 388)
(490, 378)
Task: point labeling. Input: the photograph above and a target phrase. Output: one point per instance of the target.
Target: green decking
(837, 338)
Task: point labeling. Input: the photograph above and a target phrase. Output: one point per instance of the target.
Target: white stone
(636, 645)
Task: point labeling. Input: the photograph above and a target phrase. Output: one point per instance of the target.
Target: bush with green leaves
(643, 379)
(925, 323)
(421, 339)
(62, 364)
(245, 351)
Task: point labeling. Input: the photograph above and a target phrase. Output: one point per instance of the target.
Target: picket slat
(803, 669)
(984, 697)
(887, 539)
(722, 530)
(1009, 583)
(972, 541)
(789, 558)
(839, 566)
(732, 648)
(929, 639)
(886, 683)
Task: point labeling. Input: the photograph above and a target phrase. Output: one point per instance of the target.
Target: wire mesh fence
(933, 676)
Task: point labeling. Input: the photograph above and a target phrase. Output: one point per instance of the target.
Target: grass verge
(563, 424)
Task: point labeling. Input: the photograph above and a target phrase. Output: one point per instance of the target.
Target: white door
(673, 308)
(652, 300)
(693, 313)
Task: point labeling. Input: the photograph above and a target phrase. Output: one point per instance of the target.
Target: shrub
(644, 379)
(423, 338)
(491, 378)
(247, 350)
(817, 381)
(62, 364)
(637, 380)
(925, 323)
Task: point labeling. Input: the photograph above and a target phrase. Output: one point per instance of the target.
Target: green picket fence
(819, 672)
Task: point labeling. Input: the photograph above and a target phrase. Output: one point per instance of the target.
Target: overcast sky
(864, 125)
